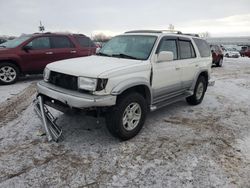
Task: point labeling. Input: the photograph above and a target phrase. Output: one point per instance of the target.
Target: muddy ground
(180, 145)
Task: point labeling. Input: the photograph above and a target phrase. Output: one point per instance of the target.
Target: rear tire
(9, 73)
(199, 91)
(126, 119)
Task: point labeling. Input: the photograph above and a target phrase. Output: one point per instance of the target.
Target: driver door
(166, 81)
(38, 56)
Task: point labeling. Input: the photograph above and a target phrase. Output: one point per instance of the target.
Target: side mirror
(165, 56)
(27, 48)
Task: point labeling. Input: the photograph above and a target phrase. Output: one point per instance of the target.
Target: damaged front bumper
(74, 99)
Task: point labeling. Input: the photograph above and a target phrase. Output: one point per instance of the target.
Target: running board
(170, 101)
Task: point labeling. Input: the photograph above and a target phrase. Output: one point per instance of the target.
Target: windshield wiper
(102, 54)
(2, 46)
(124, 56)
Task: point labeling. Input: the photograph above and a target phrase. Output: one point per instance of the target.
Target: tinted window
(203, 47)
(169, 45)
(61, 42)
(186, 50)
(40, 43)
(85, 42)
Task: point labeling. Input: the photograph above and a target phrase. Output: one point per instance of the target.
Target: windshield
(15, 42)
(129, 46)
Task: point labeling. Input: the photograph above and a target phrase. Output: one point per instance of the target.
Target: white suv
(134, 73)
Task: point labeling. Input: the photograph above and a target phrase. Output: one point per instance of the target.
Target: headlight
(87, 83)
(46, 74)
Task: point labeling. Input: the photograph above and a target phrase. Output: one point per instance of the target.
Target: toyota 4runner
(134, 73)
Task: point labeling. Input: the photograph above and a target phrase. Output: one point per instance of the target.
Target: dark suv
(29, 54)
(217, 55)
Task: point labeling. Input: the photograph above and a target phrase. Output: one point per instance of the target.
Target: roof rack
(192, 34)
(42, 33)
(163, 31)
(154, 31)
(144, 31)
(171, 31)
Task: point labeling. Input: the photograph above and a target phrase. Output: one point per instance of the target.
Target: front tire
(126, 119)
(9, 73)
(199, 92)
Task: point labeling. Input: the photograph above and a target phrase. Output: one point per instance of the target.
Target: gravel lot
(180, 145)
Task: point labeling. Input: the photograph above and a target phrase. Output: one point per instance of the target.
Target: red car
(29, 54)
(247, 52)
(217, 55)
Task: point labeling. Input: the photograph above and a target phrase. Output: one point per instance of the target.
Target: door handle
(73, 52)
(49, 53)
(177, 68)
(196, 65)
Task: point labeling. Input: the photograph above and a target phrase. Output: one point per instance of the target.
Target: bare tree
(204, 35)
(171, 27)
(100, 37)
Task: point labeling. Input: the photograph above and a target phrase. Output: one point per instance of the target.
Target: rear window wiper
(124, 56)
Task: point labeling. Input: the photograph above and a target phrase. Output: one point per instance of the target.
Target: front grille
(63, 80)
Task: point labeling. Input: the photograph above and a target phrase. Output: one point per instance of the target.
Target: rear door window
(186, 49)
(61, 42)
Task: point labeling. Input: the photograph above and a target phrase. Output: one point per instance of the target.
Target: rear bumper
(73, 98)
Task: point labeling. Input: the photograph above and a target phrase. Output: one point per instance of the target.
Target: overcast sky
(218, 17)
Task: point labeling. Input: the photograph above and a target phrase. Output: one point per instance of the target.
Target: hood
(5, 50)
(92, 66)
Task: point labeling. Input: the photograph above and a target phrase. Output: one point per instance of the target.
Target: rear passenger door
(189, 64)
(62, 48)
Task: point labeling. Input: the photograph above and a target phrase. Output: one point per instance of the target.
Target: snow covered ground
(180, 145)
(6, 92)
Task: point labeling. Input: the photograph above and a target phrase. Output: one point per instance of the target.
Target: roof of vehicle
(54, 33)
(161, 32)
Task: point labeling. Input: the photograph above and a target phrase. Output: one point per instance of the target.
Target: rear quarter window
(203, 47)
(85, 42)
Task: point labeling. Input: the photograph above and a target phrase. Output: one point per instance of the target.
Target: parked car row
(219, 52)
(231, 52)
(30, 54)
